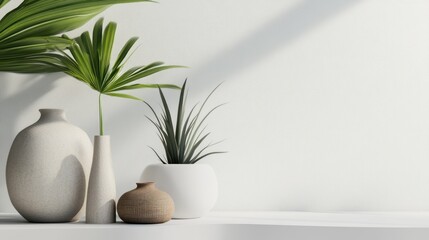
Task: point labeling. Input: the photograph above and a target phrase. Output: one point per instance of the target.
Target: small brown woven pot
(145, 204)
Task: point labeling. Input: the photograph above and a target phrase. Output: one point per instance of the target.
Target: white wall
(328, 104)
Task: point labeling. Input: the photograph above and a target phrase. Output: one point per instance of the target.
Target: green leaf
(97, 36)
(106, 50)
(169, 127)
(138, 86)
(183, 144)
(3, 2)
(124, 51)
(194, 147)
(197, 156)
(123, 95)
(29, 46)
(158, 156)
(36, 18)
(180, 112)
(205, 155)
(144, 73)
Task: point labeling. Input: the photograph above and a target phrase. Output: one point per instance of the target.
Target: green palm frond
(90, 61)
(30, 29)
(183, 143)
(3, 2)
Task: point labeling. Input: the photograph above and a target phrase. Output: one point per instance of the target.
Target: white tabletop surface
(236, 225)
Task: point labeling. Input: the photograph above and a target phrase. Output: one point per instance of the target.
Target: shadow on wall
(283, 29)
(280, 31)
(12, 107)
(274, 34)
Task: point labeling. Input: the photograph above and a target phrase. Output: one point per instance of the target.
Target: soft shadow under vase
(48, 169)
(101, 206)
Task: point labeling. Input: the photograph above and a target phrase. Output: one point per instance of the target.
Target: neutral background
(328, 104)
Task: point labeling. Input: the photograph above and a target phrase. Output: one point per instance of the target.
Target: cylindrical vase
(101, 204)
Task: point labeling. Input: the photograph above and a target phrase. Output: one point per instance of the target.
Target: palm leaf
(24, 29)
(106, 51)
(124, 51)
(28, 46)
(138, 86)
(147, 72)
(3, 2)
(123, 95)
(89, 61)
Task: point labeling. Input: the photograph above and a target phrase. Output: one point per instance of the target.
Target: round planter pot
(48, 168)
(193, 187)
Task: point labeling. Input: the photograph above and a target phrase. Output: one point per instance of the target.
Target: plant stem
(100, 115)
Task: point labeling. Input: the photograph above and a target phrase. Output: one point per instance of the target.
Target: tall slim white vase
(101, 204)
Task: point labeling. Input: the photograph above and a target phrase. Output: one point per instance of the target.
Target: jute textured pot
(48, 168)
(193, 187)
(145, 204)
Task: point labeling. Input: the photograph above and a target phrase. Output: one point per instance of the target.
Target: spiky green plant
(30, 29)
(90, 62)
(183, 143)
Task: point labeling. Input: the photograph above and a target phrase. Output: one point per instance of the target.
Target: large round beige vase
(47, 169)
(193, 187)
(145, 204)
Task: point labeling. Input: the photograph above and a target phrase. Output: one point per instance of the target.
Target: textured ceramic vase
(193, 187)
(48, 168)
(145, 204)
(101, 205)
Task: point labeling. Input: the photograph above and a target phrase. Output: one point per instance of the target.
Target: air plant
(183, 143)
(32, 28)
(89, 61)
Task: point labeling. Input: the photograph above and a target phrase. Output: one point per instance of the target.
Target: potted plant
(192, 186)
(89, 61)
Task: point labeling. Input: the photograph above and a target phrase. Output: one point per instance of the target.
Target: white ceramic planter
(101, 203)
(48, 169)
(193, 187)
